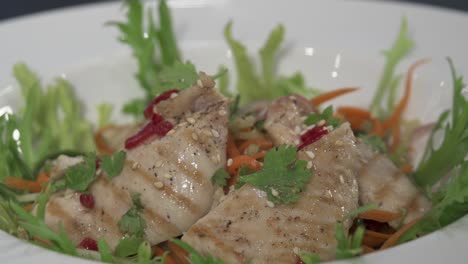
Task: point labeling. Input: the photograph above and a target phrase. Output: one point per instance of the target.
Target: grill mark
(186, 168)
(201, 232)
(149, 214)
(55, 209)
(166, 190)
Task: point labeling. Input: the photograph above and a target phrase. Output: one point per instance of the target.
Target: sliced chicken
(380, 181)
(246, 227)
(172, 174)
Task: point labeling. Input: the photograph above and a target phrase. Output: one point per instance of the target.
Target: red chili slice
(135, 140)
(163, 96)
(89, 244)
(87, 200)
(162, 128)
(312, 135)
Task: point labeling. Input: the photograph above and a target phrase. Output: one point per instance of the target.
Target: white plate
(334, 43)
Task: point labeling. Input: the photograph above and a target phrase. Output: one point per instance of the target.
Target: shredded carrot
(391, 241)
(259, 155)
(394, 119)
(374, 239)
(357, 116)
(407, 168)
(380, 215)
(100, 141)
(22, 184)
(239, 161)
(44, 242)
(263, 143)
(367, 249)
(159, 251)
(231, 149)
(320, 99)
(178, 253)
(28, 207)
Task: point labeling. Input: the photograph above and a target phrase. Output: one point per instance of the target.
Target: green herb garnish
(220, 177)
(113, 164)
(194, 256)
(326, 115)
(283, 176)
(132, 222)
(80, 176)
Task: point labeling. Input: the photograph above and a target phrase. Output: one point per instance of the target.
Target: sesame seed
(229, 162)
(158, 163)
(339, 143)
(215, 133)
(270, 204)
(329, 128)
(296, 250)
(218, 158)
(135, 165)
(310, 154)
(297, 130)
(167, 176)
(199, 83)
(274, 192)
(158, 185)
(309, 165)
(222, 112)
(191, 120)
(155, 109)
(194, 136)
(321, 123)
(296, 142)
(174, 95)
(341, 179)
(207, 132)
(292, 97)
(98, 171)
(170, 132)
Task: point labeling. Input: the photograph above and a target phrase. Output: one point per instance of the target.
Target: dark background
(12, 8)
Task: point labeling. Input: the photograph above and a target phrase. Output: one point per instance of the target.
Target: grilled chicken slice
(246, 228)
(380, 181)
(172, 174)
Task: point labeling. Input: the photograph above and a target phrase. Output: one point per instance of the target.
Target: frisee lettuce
(388, 81)
(155, 49)
(194, 256)
(268, 86)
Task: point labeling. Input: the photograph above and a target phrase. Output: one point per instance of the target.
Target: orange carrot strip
(322, 98)
(158, 251)
(380, 215)
(46, 243)
(377, 234)
(178, 253)
(357, 116)
(395, 137)
(367, 249)
(28, 207)
(259, 155)
(239, 161)
(100, 141)
(21, 184)
(394, 119)
(407, 168)
(391, 241)
(371, 241)
(263, 143)
(231, 149)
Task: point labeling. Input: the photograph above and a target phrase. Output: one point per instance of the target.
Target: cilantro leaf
(309, 258)
(128, 246)
(194, 256)
(179, 75)
(283, 177)
(375, 142)
(80, 176)
(400, 49)
(348, 246)
(144, 253)
(326, 115)
(220, 177)
(135, 107)
(104, 114)
(132, 222)
(105, 251)
(114, 164)
(436, 163)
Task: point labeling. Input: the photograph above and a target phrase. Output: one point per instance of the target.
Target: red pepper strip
(312, 135)
(157, 126)
(163, 96)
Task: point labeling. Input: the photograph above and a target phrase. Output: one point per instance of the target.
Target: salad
(269, 171)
